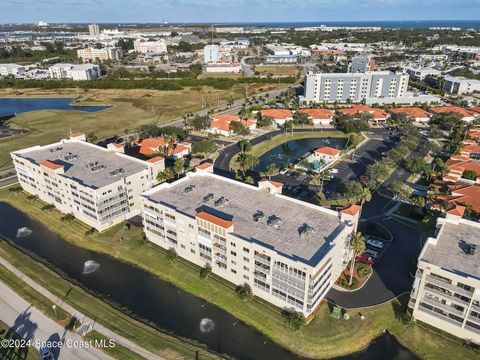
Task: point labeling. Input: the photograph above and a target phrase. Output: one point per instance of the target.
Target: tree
(401, 117)
(48, 208)
(91, 137)
(264, 121)
(68, 218)
(469, 175)
(271, 170)
(416, 165)
(244, 292)
(247, 161)
(357, 244)
(295, 319)
(288, 126)
(300, 118)
(352, 190)
(171, 255)
(15, 189)
(204, 147)
(165, 175)
(401, 191)
(245, 145)
(179, 167)
(90, 232)
(238, 128)
(205, 271)
(199, 123)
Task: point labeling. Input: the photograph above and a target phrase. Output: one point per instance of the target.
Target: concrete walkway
(86, 320)
(31, 324)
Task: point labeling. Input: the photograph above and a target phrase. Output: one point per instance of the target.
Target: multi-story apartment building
(320, 87)
(93, 30)
(446, 290)
(11, 69)
(460, 85)
(210, 54)
(289, 252)
(92, 54)
(100, 187)
(74, 72)
(159, 46)
(361, 64)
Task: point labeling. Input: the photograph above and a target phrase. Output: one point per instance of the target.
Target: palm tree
(272, 170)
(357, 244)
(247, 161)
(179, 167)
(245, 145)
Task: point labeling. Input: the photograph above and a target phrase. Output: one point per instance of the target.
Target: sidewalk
(86, 320)
(31, 324)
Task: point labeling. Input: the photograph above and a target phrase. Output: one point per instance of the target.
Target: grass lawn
(16, 353)
(267, 145)
(131, 108)
(324, 336)
(279, 70)
(220, 75)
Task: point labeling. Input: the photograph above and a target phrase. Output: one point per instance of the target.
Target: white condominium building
(93, 30)
(289, 252)
(330, 87)
(460, 85)
(74, 72)
(98, 186)
(92, 54)
(11, 69)
(210, 54)
(446, 290)
(159, 46)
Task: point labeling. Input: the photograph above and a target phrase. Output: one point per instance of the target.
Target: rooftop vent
(274, 221)
(220, 201)
(208, 197)
(305, 230)
(189, 188)
(116, 172)
(97, 168)
(70, 156)
(468, 248)
(58, 148)
(259, 215)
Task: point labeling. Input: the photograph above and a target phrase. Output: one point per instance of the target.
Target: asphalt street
(31, 324)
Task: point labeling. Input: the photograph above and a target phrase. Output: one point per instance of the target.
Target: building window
(246, 259)
(246, 250)
(246, 268)
(245, 277)
(233, 271)
(233, 253)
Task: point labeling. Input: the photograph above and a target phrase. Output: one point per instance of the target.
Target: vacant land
(324, 337)
(130, 109)
(277, 70)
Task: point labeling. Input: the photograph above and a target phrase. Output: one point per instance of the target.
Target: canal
(152, 299)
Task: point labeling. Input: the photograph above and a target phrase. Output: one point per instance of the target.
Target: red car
(366, 259)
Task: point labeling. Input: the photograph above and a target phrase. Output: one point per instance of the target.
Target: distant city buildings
(446, 289)
(290, 252)
(93, 30)
(99, 186)
(418, 73)
(11, 70)
(361, 64)
(93, 54)
(74, 72)
(458, 85)
(158, 46)
(330, 87)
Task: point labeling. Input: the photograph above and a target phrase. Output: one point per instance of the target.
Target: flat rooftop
(449, 252)
(77, 158)
(243, 202)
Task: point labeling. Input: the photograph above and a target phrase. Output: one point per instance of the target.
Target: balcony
(440, 316)
(448, 286)
(443, 307)
(471, 328)
(446, 296)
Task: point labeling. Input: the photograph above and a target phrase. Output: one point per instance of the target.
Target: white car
(375, 243)
(283, 171)
(372, 253)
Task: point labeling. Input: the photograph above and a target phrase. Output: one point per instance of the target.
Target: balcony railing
(446, 296)
(448, 286)
(440, 316)
(443, 307)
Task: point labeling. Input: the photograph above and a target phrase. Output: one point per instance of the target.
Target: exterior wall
(100, 208)
(460, 85)
(325, 157)
(11, 69)
(210, 54)
(159, 46)
(321, 87)
(449, 301)
(91, 54)
(276, 278)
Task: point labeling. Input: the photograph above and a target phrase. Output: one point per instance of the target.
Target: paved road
(31, 324)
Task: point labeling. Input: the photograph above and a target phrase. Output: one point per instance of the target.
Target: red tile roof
(457, 210)
(204, 166)
(225, 117)
(151, 146)
(51, 165)
(351, 210)
(277, 113)
(328, 151)
(274, 183)
(452, 109)
(155, 159)
(416, 112)
(359, 109)
(464, 195)
(317, 113)
(76, 134)
(214, 219)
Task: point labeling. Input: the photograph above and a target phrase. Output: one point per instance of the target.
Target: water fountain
(23, 231)
(90, 266)
(206, 325)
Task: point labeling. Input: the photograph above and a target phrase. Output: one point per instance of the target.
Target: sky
(124, 11)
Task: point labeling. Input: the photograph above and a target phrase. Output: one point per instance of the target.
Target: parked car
(46, 354)
(375, 243)
(366, 259)
(283, 171)
(333, 171)
(372, 253)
